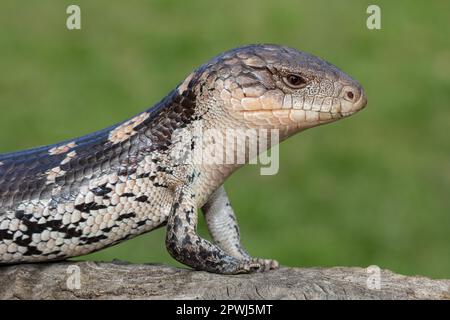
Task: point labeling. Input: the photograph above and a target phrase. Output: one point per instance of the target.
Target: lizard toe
(249, 267)
(266, 264)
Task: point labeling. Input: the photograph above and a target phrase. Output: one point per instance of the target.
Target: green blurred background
(372, 189)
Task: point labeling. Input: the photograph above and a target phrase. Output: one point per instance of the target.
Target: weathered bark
(120, 280)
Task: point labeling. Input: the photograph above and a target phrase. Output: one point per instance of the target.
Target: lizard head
(276, 87)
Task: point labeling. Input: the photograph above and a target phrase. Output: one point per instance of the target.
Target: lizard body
(82, 195)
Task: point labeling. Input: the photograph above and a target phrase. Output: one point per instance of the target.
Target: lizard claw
(265, 264)
(258, 265)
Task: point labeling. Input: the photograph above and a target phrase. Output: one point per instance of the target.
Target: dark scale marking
(20, 214)
(177, 224)
(186, 241)
(70, 232)
(83, 220)
(126, 216)
(31, 251)
(51, 225)
(141, 223)
(23, 241)
(91, 240)
(101, 190)
(88, 207)
(34, 227)
(128, 195)
(142, 199)
(188, 215)
(191, 177)
(106, 230)
(6, 234)
(171, 243)
(122, 170)
(126, 171)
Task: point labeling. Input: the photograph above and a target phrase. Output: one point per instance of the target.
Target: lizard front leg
(187, 247)
(223, 227)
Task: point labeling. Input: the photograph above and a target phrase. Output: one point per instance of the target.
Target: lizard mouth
(287, 116)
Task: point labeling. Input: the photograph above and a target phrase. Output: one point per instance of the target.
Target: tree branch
(119, 280)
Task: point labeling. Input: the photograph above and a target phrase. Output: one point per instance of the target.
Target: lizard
(81, 195)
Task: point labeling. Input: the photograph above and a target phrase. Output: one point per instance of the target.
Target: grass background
(372, 189)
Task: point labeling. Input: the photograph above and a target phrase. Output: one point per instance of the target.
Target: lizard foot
(249, 267)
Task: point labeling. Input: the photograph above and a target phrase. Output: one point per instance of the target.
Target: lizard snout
(353, 99)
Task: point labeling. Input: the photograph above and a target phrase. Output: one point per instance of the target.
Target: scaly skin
(85, 194)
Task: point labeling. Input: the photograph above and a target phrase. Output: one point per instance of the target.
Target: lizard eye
(295, 81)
